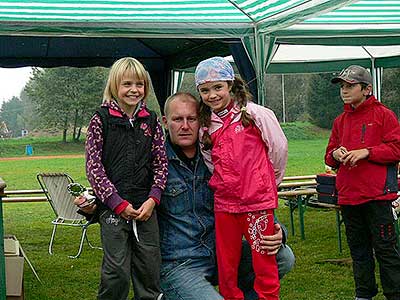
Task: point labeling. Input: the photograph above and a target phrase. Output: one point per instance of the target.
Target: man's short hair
(184, 97)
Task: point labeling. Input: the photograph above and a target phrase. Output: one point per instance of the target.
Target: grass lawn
(21, 174)
(41, 146)
(313, 277)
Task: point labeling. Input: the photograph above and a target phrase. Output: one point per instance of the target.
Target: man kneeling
(186, 218)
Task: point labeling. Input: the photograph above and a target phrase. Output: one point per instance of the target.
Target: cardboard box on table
(14, 261)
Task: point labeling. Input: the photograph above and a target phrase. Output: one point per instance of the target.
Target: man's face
(182, 123)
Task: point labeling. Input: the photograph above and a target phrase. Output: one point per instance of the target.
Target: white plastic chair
(54, 186)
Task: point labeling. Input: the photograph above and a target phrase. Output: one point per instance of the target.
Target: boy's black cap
(354, 74)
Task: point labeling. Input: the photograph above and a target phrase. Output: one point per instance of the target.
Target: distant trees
(61, 98)
(391, 90)
(66, 97)
(293, 89)
(16, 114)
(308, 97)
(12, 115)
(188, 85)
(323, 100)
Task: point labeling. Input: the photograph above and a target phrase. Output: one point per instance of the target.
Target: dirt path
(42, 157)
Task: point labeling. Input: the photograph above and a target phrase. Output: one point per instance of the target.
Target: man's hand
(146, 210)
(272, 243)
(353, 156)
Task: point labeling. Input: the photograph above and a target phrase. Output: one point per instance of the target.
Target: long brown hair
(241, 96)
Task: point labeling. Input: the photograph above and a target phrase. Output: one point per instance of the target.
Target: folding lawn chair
(54, 186)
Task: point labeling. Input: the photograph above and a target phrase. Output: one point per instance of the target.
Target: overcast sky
(12, 81)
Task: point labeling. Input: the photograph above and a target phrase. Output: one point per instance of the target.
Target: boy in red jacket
(364, 147)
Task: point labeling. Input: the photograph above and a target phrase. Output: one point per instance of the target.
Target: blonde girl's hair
(127, 66)
(241, 96)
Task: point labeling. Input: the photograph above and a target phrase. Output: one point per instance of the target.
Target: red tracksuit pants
(230, 229)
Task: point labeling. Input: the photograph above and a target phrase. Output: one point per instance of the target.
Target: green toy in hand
(78, 190)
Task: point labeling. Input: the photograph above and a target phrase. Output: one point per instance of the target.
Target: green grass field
(314, 276)
(41, 146)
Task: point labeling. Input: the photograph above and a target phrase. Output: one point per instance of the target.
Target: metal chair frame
(54, 186)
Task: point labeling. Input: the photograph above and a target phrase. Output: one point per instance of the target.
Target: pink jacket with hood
(243, 179)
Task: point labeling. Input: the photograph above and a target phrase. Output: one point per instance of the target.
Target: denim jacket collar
(171, 155)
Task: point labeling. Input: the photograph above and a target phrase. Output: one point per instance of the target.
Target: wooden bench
(297, 190)
(300, 199)
(297, 184)
(19, 196)
(301, 177)
(297, 199)
(15, 196)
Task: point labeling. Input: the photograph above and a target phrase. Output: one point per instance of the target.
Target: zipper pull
(363, 129)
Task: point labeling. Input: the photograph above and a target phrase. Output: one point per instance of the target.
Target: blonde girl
(126, 165)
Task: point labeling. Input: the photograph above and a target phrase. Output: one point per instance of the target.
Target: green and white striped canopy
(360, 24)
(159, 17)
(365, 22)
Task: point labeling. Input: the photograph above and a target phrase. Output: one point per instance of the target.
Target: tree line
(312, 97)
(58, 98)
(65, 98)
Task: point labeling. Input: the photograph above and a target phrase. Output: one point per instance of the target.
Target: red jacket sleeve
(388, 151)
(333, 144)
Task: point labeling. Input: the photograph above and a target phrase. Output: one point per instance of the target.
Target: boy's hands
(339, 153)
(353, 156)
(349, 157)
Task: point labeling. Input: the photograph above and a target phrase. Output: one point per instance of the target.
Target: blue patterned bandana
(213, 69)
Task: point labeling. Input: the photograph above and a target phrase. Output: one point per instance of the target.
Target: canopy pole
(283, 100)
(176, 82)
(379, 73)
(376, 88)
(373, 72)
(2, 259)
(265, 49)
(259, 71)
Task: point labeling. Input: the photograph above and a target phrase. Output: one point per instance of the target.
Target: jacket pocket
(370, 133)
(175, 197)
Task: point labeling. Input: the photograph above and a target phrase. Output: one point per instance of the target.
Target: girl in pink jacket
(246, 150)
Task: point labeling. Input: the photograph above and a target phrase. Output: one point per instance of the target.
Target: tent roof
(51, 51)
(178, 33)
(196, 17)
(321, 58)
(365, 22)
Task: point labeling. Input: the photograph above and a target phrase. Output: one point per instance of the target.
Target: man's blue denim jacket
(185, 213)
